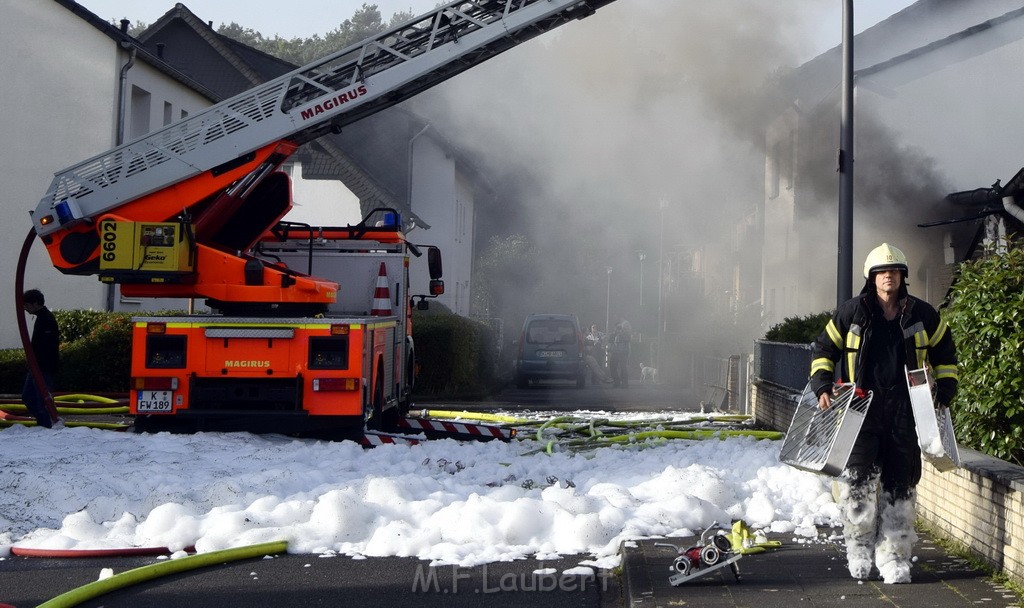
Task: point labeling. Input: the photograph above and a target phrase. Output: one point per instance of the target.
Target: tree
(364, 23)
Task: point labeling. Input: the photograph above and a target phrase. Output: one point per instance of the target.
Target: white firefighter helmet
(883, 257)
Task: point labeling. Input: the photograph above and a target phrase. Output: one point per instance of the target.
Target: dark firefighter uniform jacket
(836, 355)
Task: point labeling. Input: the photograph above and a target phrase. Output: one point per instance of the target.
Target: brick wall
(979, 505)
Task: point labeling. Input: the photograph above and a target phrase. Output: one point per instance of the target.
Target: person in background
(618, 352)
(595, 344)
(46, 345)
(871, 340)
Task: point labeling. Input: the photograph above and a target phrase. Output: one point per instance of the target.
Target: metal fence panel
(787, 365)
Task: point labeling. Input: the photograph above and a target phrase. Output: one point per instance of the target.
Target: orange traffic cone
(381, 294)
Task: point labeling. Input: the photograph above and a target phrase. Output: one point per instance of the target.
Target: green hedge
(799, 330)
(454, 356)
(95, 354)
(12, 370)
(99, 361)
(986, 314)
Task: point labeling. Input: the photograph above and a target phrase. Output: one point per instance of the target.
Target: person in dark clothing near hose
(871, 340)
(46, 345)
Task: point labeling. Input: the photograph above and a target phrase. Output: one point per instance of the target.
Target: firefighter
(618, 352)
(869, 341)
(46, 344)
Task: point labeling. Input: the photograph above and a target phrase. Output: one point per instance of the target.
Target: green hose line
(632, 423)
(93, 411)
(80, 398)
(588, 428)
(721, 418)
(709, 434)
(174, 566)
(76, 411)
(549, 423)
(594, 442)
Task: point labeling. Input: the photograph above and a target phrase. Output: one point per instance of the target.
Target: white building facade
(63, 66)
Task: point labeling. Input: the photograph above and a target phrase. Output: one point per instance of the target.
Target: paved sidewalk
(802, 575)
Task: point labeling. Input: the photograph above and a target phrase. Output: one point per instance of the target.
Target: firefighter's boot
(896, 536)
(858, 508)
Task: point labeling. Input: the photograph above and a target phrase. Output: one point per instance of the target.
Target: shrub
(12, 370)
(986, 315)
(454, 355)
(799, 330)
(100, 361)
(97, 358)
(77, 324)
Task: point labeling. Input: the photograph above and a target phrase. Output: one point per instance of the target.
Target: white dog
(648, 374)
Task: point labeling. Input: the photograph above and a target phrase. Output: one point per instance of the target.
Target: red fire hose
(30, 353)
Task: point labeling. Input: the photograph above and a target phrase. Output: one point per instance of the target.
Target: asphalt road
(310, 580)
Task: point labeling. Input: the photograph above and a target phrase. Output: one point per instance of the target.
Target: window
(141, 103)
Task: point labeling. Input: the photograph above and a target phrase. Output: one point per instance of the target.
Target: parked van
(550, 347)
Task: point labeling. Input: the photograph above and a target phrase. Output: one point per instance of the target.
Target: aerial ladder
(192, 210)
(208, 172)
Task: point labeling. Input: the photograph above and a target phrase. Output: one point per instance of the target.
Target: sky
(319, 16)
(465, 504)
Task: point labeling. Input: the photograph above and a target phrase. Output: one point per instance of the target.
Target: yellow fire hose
(68, 411)
(174, 566)
(107, 426)
(482, 417)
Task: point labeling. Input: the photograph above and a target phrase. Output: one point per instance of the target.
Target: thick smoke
(640, 128)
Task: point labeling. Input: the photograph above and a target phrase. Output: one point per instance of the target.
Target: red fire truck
(311, 326)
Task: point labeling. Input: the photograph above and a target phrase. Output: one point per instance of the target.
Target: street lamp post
(661, 276)
(608, 301)
(844, 272)
(643, 256)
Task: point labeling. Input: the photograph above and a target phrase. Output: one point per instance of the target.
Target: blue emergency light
(392, 219)
(64, 214)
